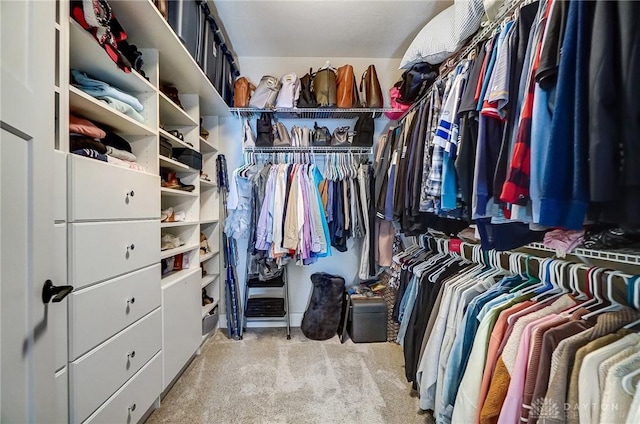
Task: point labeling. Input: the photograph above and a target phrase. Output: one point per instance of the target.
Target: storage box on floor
(367, 319)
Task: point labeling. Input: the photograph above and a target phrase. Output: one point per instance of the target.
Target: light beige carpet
(268, 379)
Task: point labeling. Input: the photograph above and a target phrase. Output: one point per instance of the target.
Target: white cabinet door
(181, 324)
(27, 370)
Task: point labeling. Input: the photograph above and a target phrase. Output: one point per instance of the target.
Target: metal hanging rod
(310, 113)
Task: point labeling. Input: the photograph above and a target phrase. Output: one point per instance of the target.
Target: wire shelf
(310, 113)
(311, 149)
(629, 256)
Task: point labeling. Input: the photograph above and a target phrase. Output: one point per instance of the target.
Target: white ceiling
(324, 28)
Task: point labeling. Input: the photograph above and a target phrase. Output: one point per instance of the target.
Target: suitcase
(165, 148)
(367, 320)
(189, 157)
(187, 18)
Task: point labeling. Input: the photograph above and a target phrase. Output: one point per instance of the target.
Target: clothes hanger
(627, 382)
(530, 279)
(613, 304)
(633, 298)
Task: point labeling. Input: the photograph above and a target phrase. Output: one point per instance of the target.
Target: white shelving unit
(166, 60)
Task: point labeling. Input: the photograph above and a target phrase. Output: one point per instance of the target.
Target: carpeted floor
(266, 378)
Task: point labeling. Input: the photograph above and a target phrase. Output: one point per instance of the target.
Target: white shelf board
(177, 224)
(208, 256)
(171, 114)
(172, 164)
(174, 276)
(208, 308)
(209, 221)
(164, 254)
(146, 28)
(207, 183)
(208, 279)
(175, 141)
(206, 146)
(86, 55)
(93, 109)
(170, 192)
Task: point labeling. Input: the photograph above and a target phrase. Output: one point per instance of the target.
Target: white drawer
(129, 404)
(100, 311)
(107, 249)
(60, 185)
(98, 374)
(62, 397)
(99, 191)
(58, 311)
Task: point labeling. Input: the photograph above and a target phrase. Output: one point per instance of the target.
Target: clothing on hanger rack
(486, 340)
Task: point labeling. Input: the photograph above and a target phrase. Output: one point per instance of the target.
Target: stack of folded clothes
(88, 139)
(97, 18)
(116, 99)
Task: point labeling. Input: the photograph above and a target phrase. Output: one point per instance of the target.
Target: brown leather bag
(242, 90)
(372, 91)
(347, 91)
(162, 7)
(324, 87)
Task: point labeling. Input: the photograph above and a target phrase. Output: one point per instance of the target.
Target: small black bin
(367, 319)
(189, 157)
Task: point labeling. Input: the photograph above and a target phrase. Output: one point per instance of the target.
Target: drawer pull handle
(131, 247)
(131, 301)
(132, 408)
(131, 354)
(131, 193)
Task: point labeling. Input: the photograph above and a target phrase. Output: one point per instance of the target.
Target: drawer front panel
(107, 249)
(129, 404)
(58, 311)
(99, 374)
(60, 185)
(100, 311)
(100, 191)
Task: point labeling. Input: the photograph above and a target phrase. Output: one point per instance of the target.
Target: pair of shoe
(169, 241)
(174, 182)
(206, 299)
(169, 215)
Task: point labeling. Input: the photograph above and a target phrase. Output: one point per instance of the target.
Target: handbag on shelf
(305, 141)
(321, 136)
(340, 137)
(242, 89)
(394, 95)
(324, 86)
(264, 131)
(307, 98)
(364, 129)
(282, 134)
(289, 91)
(248, 140)
(347, 89)
(266, 93)
(372, 91)
(416, 81)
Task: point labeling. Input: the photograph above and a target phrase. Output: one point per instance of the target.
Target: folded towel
(120, 154)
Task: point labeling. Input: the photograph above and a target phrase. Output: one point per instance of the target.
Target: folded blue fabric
(90, 153)
(97, 89)
(122, 107)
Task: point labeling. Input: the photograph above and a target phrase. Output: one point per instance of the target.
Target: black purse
(307, 98)
(321, 136)
(364, 131)
(264, 130)
(416, 81)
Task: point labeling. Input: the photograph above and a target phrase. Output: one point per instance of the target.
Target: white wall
(345, 264)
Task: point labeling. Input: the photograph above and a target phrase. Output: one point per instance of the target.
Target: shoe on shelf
(206, 299)
(204, 244)
(167, 215)
(179, 216)
(169, 241)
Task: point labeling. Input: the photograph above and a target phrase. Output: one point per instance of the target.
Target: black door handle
(56, 292)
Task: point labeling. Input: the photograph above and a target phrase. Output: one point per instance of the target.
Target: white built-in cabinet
(126, 331)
